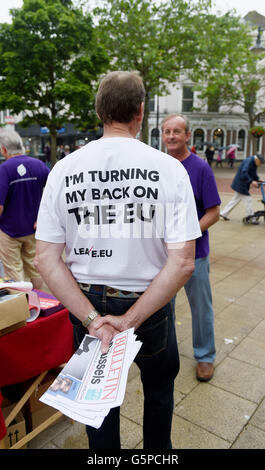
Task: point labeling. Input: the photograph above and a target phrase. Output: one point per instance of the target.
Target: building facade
(222, 127)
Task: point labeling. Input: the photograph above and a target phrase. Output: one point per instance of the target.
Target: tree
(230, 74)
(49, 63)
(157, 40)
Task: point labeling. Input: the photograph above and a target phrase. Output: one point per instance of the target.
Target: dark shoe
(204, 371)
(224, 217)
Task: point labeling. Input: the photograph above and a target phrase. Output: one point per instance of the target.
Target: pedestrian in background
(22, 179)
(219, 158)
(246, 176)
(209, 153)
(231, 156)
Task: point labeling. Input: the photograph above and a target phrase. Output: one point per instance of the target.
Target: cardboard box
(13, 312)
(34, 400)
(36, 412)
(16, 430)
(41, 415)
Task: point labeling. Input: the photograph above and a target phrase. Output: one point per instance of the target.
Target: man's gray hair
(170, 116)
(12, 141)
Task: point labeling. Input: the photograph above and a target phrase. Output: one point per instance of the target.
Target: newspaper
(92, 383)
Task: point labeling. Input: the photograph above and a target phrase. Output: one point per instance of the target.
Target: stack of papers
(92, 383)
(48, 303)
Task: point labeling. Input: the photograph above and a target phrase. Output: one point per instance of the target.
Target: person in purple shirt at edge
(22, 179)
(176, 134)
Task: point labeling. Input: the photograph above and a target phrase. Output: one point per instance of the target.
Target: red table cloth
(2, 421)
(41, 345)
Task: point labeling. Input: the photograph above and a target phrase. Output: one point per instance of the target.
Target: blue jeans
(158, 361)
(199, 295)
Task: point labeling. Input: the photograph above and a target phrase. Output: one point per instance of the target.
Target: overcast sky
(241, 6)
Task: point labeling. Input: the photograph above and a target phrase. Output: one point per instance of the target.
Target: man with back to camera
(22, 179)
(176, 135)
(246, 176)
(105, 205)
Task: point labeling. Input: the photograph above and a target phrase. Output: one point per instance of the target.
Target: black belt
(110, 291)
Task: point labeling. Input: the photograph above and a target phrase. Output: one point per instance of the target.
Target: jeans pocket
(154, 338)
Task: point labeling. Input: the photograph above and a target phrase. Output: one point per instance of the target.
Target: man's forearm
(210, 217)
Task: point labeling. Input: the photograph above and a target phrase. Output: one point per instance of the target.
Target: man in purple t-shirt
(176, 134)
(22, 180)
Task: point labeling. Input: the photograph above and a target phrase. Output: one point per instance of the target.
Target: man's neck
(180, 156)
(120, 129)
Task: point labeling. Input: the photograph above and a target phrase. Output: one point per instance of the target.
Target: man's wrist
(91, 316)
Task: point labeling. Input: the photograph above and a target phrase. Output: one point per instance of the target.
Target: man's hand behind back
(105, 333)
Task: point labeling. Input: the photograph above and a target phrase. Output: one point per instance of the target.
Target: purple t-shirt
(206, 195)
(22, 180)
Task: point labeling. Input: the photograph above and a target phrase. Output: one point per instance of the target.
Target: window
(218, 137)
(152, 104)
(198, 138)
(155, 138)
(187, 99)
(241, 140)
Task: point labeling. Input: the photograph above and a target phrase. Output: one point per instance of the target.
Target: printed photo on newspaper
(92, 383)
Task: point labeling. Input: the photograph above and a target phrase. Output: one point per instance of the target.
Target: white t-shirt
(115, 203)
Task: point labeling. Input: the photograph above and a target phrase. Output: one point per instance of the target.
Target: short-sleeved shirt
(205, 193)
(115, 203)
(22, 180)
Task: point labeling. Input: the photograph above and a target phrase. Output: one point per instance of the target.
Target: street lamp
(258, 47)
(157, 123)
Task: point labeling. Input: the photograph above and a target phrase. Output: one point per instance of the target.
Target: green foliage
(230, 73)
(157, 40)
(49, 62)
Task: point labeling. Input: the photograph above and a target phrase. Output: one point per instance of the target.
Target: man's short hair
(12, 141)
(119, 97)
(170, 116)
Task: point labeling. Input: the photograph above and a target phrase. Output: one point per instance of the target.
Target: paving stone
(186, 380)
(235, 376)
(258, 419)
(133, 372)
(250, 438)
(215, 410)
(131, 433)
(183, 328)
(132, 406)
(236, 321)
(251, 351)
(43, 439)
(186, 435)
(74, 437)
(258, 332)
(254, 301)
(223, 347)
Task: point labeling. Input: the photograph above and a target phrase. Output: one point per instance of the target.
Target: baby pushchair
(254, 218)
